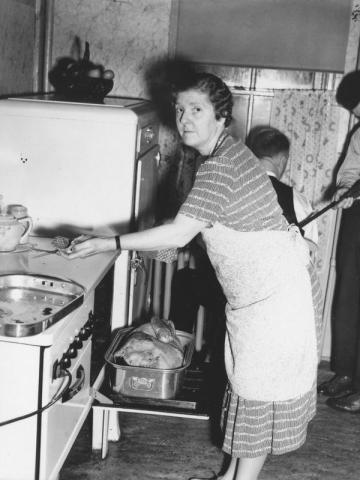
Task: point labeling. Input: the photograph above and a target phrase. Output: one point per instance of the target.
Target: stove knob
(72, 351)
(65, 362)
(84, 333)
(88, 329)
(77, 342)
(91, 319)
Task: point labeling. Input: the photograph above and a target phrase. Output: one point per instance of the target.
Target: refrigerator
(85, 168)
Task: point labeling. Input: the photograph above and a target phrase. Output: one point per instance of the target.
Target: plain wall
(299, 34)
(17, 45)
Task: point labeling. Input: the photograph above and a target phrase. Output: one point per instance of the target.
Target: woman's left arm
(175, 234)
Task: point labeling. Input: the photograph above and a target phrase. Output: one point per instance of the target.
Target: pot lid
(17, 210)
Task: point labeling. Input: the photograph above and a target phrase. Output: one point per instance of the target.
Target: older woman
(270, 346)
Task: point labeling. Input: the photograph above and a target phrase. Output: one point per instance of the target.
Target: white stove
(31, 371)
(77, 168)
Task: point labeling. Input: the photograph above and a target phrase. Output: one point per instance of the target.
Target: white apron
(270, 344)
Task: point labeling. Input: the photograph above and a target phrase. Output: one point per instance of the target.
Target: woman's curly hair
(218, 92)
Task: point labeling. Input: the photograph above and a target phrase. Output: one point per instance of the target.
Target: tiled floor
(153, 448)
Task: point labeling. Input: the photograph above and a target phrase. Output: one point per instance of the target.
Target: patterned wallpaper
(124, 35)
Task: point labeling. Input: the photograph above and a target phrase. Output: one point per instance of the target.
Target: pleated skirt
(254, 428)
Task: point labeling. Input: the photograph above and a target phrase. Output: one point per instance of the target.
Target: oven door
(145, 207)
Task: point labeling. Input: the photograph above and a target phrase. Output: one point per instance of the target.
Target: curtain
(310, 121)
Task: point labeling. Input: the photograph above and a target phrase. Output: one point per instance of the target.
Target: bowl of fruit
(81, 79)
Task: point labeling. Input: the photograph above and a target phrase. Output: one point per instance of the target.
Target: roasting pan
(143, 381)
(31, 303)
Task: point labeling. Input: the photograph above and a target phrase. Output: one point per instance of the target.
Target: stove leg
(114, 432)
(105, 427)
(99, 427)
(105, 433)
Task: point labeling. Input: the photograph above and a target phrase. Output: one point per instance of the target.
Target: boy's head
(348, 92)
(271, 147)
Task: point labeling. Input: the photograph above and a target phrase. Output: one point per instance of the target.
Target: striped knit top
(231, 188)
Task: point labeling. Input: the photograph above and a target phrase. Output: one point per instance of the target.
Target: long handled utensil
(353, 192)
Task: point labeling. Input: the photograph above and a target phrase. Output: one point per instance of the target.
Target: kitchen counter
(87, 272)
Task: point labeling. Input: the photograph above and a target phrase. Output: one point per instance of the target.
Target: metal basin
(31, 303)
(144, 381)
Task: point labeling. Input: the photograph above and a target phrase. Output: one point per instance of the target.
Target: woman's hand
(347, 202)
(84, 246)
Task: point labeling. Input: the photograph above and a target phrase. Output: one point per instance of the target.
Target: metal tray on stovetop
(31, 303)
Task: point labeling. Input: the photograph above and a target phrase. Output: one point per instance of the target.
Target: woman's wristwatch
(117, 242)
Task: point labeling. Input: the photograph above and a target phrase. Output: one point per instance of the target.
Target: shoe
(348, 403)
(336, 386)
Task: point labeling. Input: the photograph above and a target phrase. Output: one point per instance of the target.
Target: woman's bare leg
(230, 472)
(249, 468)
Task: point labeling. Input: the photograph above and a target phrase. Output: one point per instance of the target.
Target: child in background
(272, 148)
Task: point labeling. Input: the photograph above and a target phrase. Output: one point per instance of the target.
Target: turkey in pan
(154, 344)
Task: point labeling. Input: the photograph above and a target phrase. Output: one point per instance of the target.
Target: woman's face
(196, 122)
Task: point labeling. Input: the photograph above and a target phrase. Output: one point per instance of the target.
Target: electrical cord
(61, 391)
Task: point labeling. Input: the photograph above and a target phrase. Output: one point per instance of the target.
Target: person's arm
(175, 234)
(349, 172)
(303, 209)
(201, 209)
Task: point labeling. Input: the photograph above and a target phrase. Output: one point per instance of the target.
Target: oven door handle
(77, 386)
